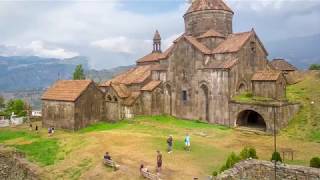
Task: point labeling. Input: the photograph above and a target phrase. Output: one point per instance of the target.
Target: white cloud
(119, 44)
(36, 48)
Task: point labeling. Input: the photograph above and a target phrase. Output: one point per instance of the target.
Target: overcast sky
(117, 32)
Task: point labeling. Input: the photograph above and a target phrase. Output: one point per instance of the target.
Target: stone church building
(200, 75)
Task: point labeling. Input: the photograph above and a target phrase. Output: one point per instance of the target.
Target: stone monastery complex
(198, 77)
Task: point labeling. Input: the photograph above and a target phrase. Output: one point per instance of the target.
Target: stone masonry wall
(14, 167)
(264, 170)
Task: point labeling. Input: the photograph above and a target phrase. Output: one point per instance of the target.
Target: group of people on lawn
(187, 147)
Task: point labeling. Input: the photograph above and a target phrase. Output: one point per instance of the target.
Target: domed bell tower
(204, 15)
(157, 42)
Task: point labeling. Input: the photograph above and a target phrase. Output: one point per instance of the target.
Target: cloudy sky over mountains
(117, 32)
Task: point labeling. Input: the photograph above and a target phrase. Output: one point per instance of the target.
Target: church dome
(204, 15)
(200, 5)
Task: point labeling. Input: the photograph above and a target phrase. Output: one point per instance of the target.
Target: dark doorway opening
(251, 119)
(205, 94)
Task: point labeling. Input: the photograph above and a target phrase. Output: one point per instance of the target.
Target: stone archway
(204, 101)
(251, 119)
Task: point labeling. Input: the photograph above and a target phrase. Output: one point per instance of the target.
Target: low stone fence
(13, 166)
(264, 170)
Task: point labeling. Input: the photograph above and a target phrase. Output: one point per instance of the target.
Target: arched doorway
(167, 100)
(204, 100)
(251, 119)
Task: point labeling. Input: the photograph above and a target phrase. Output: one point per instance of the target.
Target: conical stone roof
(200, 5)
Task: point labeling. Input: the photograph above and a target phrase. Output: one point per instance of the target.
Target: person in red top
(159, 161)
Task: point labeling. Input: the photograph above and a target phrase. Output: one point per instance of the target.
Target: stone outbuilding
(72, 104)
(289, 71)
(269, 84)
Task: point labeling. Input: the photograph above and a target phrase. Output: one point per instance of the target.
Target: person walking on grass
(187, 142)
(159, 161)
(170, 143)
(30, 127)
(37, 129)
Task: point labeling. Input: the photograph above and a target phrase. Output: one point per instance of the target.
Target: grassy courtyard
(78, 155)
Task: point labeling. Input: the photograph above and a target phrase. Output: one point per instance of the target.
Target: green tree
(2, 102)
(314, 67)
(17, 106)
(78, 73)
(315, 162)
(276, 157)
(248, 152)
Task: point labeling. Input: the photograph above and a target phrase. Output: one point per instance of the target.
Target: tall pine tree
(78, 73)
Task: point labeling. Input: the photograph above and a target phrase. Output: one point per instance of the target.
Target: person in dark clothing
(170, 143)
(107, 156)
(159, 161)
(37, 128)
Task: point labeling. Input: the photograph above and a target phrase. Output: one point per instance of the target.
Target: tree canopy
(2, 102)
(78, 73)
(17, 106)
(314, 67)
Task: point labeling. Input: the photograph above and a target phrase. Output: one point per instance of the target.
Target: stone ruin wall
(13, 166)
(264, 170)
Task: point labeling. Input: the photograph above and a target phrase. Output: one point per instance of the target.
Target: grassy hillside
(306, 125)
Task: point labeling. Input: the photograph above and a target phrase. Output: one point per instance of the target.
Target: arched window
(242, 87)
(115, 99)
(109, 98)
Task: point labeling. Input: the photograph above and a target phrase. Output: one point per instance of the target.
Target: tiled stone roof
(266, 76)
(226, 64)
(233, 43)
(132, 98)
(211, 33)
(66, 90)
(156, 56)
(198, 45)
(200, 5)
(135, 75)
(282, 65)
(151, 86)
(121, 90)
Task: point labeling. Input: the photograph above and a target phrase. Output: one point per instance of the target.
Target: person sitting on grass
(143, 169)
(107, 156)
(187, 142)
(170, 143)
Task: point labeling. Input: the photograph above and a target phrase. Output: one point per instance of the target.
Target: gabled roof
(151, 86)
(233, 43)
(132, 98)
(156, 56)
(200, 5)
(211, 33)
(66, 90)
(225, 64)
(121, 90)
(266, 76)
(198, 45)
(134, 75)
(282, 65)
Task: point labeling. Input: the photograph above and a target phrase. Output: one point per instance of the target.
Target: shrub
(276, 157)
(214, 173)
(314, 67)
(315, 162)
(248, 152)
(232, 160)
